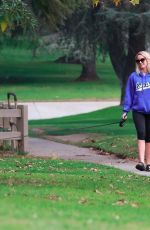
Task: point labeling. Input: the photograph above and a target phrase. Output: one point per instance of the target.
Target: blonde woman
(137, 99)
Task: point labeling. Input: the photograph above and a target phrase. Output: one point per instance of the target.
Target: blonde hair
(146, 55)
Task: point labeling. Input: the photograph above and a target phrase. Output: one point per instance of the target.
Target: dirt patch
(41, 131)
(38, 131)
(73, 138)
(6, 154)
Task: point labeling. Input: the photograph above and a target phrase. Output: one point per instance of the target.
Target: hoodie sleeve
(129, 93)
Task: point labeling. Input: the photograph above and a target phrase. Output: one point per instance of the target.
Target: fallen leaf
(2, 159)
(111, 186)
(98, 192)
(12, 171)
(54, 197)
(94, 170)
(29, 164)
(120, 192)
(120, 202)
(134, 204)
(117, 217)
(54, 156)
(17, 163)
(28, 174)
(83, 201)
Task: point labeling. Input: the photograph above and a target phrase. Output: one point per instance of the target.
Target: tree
(25, 14)
(121, 29)
(85, 32)
(51, 13)
(127, 32)
(15, 13)
(89, 28)
(83, 37)
(20, 12)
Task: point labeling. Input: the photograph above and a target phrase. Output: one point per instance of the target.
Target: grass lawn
(41, 79)
(59, 195)
(109, 138)
(37, 79)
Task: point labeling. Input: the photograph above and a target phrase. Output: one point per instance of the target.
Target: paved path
(45, 148)
(45, 110)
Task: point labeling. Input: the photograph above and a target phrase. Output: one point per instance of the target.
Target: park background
(72, 51)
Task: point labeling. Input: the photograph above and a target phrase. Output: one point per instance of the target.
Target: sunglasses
(140, 60)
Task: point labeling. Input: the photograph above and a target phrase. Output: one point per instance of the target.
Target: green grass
(40, 79)
(59, 195)
(62, 195)
(110, 138)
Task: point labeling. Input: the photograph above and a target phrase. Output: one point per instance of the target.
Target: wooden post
(22, 126)
(14, 117)
(6, 143)
(1, 125)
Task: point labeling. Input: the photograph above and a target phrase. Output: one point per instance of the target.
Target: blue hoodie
(137, 95)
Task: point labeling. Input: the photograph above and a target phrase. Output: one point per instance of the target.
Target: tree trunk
(124, 62)
(69, 60)
(116, 47)
(88, 72)
(136, 43)
(89, 66)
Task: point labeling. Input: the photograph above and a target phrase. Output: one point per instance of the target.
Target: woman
(137, 99)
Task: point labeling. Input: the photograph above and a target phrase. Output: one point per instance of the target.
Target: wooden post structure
(22, 127)
(19, 133)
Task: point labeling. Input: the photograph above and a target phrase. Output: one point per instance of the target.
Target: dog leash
(121, 124)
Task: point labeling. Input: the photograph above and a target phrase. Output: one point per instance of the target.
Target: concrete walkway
(44, 148)
(45, 110)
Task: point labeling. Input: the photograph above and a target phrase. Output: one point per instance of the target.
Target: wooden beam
(10, 113)
(10, 135)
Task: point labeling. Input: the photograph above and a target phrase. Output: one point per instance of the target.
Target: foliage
(115, 2)
(52, 13)
(80, 33)
(16, 14)
(82, 37)
(89, 29)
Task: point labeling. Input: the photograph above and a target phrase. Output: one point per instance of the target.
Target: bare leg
(141, 151)
(147, 153)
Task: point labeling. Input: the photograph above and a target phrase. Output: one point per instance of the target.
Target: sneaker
(140, 166)
(148, 167)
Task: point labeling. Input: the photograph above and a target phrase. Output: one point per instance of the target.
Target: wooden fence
(14, 127)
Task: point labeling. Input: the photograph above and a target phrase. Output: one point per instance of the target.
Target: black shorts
(142, 125)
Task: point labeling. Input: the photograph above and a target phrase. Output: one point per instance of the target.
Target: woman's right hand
(124, 116)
